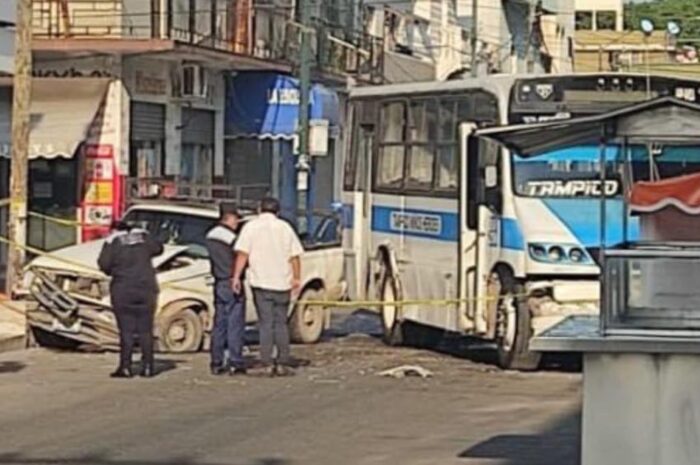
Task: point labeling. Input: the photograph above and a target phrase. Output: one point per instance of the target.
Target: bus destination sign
(572, 188)
(419, 223)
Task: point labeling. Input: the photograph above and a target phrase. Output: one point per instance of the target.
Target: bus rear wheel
(514, 330)
(390, 312)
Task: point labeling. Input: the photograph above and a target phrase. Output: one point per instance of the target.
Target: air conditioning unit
(195, 82)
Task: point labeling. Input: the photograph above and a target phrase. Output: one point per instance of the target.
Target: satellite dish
(647, 26)
(673, 28)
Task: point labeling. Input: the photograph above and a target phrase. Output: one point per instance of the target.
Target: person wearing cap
(229, 317)
(271, 249)
(126, 257)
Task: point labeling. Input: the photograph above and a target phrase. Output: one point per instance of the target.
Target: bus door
(358, 223)
(489, 243)
(468, 228)
(483, 214)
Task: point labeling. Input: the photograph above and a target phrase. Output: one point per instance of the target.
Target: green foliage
(684, 12)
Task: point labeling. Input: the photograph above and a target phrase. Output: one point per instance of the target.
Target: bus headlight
(559, 253)
(576, 255)
(538, 252)
(555, 253)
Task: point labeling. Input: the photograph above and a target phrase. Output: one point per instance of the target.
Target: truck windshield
(174, 228)
(575, 171)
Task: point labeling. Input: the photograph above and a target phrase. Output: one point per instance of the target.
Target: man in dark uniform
(229, 317)
(126, 257)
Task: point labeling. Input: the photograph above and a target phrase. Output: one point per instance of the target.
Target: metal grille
(147, 121)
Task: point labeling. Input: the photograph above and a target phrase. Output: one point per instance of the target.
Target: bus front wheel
(390, 312)
(514, 328)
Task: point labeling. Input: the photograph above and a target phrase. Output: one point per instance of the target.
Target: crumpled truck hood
(82, 258)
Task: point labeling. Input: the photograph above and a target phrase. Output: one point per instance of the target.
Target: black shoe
(218, 370)
(122, 373)
(294, 362)
(238, 371)
(147, 371)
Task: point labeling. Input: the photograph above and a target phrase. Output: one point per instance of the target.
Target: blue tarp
(267, 105)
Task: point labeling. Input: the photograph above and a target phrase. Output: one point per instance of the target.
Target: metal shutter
(147, 121)
(198, 127)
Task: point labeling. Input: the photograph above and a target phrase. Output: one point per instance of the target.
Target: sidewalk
(12, 325)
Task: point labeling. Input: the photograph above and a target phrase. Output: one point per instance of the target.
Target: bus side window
(484, 178)
(363, 118)
(391, 154)
(490, 175)
(473, 184)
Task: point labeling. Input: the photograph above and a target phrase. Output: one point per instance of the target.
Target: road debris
(406, 370)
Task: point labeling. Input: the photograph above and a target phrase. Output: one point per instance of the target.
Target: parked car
(69, 297)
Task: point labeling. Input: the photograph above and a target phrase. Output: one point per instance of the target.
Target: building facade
(519, 36)
(147, 83)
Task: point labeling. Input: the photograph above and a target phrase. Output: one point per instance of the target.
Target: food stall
(641, 356)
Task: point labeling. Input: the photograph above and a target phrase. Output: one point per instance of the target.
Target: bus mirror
(490, 177)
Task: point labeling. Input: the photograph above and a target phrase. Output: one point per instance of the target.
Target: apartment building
(130, 96)
(520, 36)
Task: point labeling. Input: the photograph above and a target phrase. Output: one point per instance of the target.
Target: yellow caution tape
(323, 303)
(53, 219)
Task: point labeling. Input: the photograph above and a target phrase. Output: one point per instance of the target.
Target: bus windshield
(575, 171)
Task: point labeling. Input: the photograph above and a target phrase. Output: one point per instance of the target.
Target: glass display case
(652, 289)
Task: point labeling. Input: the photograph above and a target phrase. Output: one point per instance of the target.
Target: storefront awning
(62, 111)
(682, 192)
(266, 105)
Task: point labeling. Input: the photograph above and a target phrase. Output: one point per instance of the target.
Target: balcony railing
(246, 27)
(161, 189)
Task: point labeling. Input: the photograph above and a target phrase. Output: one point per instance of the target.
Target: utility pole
(305, 61)
(475, 37)
(20, 142)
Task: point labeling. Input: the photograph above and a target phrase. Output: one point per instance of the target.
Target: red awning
(682, 192)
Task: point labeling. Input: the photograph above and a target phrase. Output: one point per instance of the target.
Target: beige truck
(68, 297)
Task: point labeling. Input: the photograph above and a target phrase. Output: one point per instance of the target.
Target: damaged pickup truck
(69, 297)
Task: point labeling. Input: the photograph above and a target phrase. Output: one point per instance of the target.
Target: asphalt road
(61, 408)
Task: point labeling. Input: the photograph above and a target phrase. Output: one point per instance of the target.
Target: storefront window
(195, 171)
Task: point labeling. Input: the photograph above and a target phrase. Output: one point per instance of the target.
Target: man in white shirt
(271, 249)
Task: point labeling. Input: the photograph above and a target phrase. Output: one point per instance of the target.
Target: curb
(13, 343)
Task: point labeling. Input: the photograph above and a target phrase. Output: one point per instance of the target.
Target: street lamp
(647, 27)
(673, 29)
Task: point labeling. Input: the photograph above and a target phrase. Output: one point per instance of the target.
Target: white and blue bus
(495, 245)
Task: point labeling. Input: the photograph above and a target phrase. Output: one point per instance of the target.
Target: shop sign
(150, 85)
(71, 73)
(99, 192)
(99, 169)
(101, 187)
(98, 215)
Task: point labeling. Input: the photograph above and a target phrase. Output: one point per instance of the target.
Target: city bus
(491, 244)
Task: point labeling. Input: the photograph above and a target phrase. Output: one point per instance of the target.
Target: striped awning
(61, 113)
